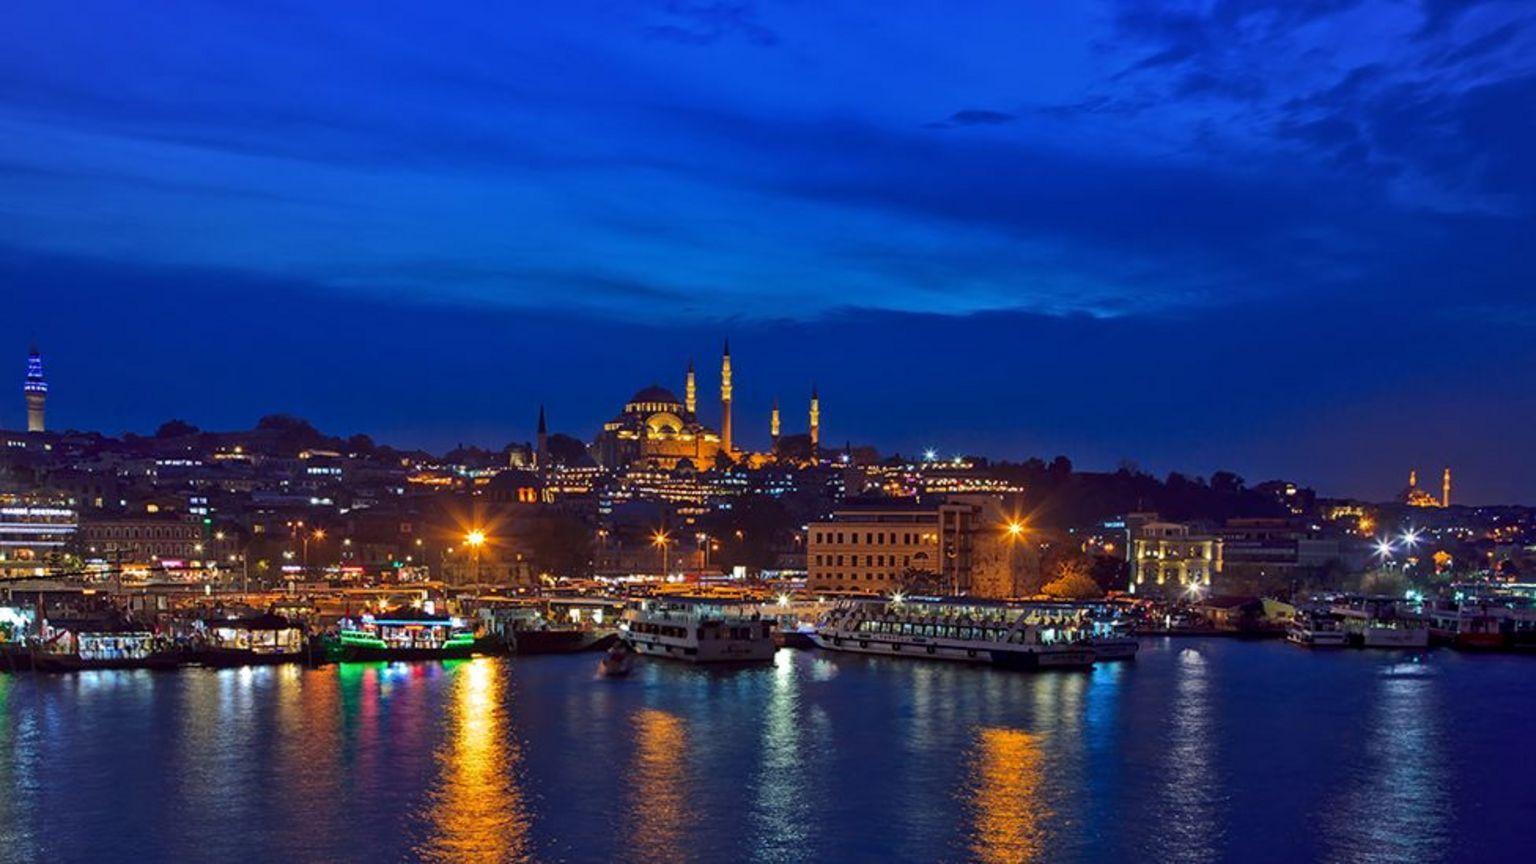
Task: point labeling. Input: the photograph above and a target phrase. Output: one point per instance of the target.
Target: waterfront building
(144, 541)
(959, 545)
(35, 388)
(34, 534)
(1168, 558)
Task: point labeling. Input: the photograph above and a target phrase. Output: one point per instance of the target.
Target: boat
(1113, 639)
(253, 641)
(617, 661)
(1375, 623)
(67, 650)
(558, 640)
(1011, 637)
(698, 630)
(1312, 629)
(403, 634)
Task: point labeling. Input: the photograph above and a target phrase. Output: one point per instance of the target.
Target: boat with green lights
(402, 634)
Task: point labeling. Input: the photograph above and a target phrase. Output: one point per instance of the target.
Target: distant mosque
(1413, 496)
(656, 429)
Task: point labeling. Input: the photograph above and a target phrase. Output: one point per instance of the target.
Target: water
(1201, 750)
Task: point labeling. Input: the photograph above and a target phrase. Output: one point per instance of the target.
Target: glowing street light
(1411, 538)
(1015, 529)
(475, 540)
(930, 455)
(662, 539)
(1384, 548)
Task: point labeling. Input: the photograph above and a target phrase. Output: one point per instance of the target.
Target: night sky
(1292, 238)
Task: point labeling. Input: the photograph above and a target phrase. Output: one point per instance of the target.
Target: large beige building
(958, 546)
(1167, 558)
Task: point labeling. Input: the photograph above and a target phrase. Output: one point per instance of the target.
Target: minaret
(815, 421)
(773, 423)
(691, 392)
(1413, 479)
(1445, 489)
(541, 453)
(725, 399)
(36, 390)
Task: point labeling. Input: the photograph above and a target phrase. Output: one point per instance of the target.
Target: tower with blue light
(36, 390)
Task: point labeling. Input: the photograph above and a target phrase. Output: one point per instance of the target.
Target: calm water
(1202, 750)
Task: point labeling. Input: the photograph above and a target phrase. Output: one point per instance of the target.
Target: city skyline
(1191, 236)
(600, 443)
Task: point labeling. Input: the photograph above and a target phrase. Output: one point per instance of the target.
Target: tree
(176, 429)
(1074, 580)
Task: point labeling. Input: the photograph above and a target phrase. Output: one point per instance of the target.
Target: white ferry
(1315, 630)
(698, 630)
(1376, 624)
(962, 630)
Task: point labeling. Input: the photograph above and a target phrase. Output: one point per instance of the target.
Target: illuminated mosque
(656, 429)
(1413, 496)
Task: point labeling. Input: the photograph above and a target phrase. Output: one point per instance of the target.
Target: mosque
(658, 430)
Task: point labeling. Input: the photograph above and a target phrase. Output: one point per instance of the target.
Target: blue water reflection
(1201, 750)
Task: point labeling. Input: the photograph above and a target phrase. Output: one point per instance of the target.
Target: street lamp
(475, 539)
(661, 539)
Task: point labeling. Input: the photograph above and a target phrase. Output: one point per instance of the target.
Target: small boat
(617, 661)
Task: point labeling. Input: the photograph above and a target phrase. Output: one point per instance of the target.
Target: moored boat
(74, 650)
(253, 641)
(404, 634)
(698, 630)
(1011, 637)
(1313, 629)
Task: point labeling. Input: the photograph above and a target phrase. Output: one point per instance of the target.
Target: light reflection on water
(476, 811)
(658, 788)
(1197, 751)
(1395, 802)
(1189, 787)
(1005, 785)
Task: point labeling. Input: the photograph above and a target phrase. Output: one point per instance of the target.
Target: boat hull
(560, 641)
(1004, 657)
(1401, 638)
(225, 658)
(1317, 639)
(707, 651)
(43, 661)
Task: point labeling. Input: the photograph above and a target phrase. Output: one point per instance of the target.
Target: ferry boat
(1315, 630)
(1374, 624)
(698, 630)
(968, 631)
(254, 641)
(404, 634)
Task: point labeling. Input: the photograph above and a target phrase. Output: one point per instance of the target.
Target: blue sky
(1286, 238)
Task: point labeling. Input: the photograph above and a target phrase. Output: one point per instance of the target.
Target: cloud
(706, 22)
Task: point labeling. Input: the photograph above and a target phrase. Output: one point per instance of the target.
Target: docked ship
(698, 630)
(1007, 636)
(404, 634)
(1377, 624)
(1316, 629)
(71, 647)
(258, 640)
